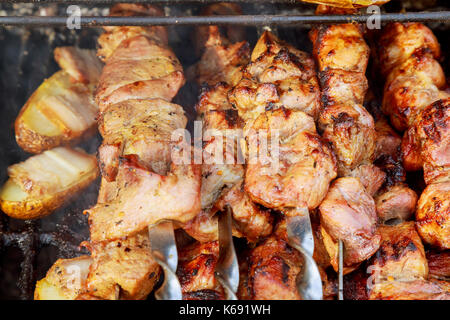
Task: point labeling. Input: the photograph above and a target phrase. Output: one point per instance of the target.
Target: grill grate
(29, 248)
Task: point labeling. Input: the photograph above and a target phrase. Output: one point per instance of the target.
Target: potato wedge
(65, 280)
(44, 182)
(62, 110)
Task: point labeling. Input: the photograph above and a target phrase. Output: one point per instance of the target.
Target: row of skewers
(340, 169)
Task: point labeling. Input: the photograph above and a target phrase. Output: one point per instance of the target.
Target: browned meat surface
(408, 57)
(348, 213)
(433, 215)
(196, 266)
(411, 290)
(388, 141)
(427, 142)
(272, 270)
(304, 168)
(122, 269)
(277, 76)
(144, 197)
(439, 264)
(371, 177)
(397, 202)
(342, 56)
(401, 256)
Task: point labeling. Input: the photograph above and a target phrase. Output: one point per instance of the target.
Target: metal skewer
(341, 270)
(227, 268)
(299, 231)
(164, 251)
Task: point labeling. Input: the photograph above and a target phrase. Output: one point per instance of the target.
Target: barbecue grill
(32, 29)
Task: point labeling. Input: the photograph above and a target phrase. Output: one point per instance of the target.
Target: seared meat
(196, 266)
(295, 175)
(433, 215)
(122, 269)
(144, 197)
(277, 76)
(348, 213)
(342, 56)
(427, 142)
(347, 4)
(401, 256)
(408, 55)
(388, 141)
(273, 267)
(411, 290)
(397, 202)
(439, 264)
(371, 177)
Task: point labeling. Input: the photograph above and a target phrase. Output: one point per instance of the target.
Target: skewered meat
(408, 55)
(273, 267)
(342, 56)
(196, 266)
(398, 202)
(427, 142)
(433, 215)
(122, 269)
(305, 166)
(348, 3)
(61, 111)
(401, 256)
(277, 76)
(44, 182)
(411, 290)
(65, 280)
(348, 213)
(371, 177)
(387, 140)
(439, 264)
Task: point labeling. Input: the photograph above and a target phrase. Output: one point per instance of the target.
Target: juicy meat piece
(411, 290)
(439, 264)
(408, 55)
(139, 68)
(427, 142)
(371, 177)
(140, 127)
(277, 76)
(221, 61)
(250, 220)
(433, 215)
(122, 269)
(397, 202)
(196, 266)
(388, 141)
(65, 280)
(401, 256)
(273, 267)
(348, 213)
(342, 56)
(335, 5)
(144, 197)
(81, 64)
(295, 175)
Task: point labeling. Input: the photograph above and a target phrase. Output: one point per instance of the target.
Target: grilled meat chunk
(277, 76)
(433, 215)
(387, 140)
(397, 202)
(411, 290)
(196, 266)
(348, 213)
(408, 55)
(439, 264)
(122, 269)
(295, 169)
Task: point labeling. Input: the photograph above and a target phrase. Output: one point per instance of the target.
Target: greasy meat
(439, 264)
(144, 197)
(371, 177)
(273, 267)
(427, 142)
(277, 76)
(196, 266)
(387, 140)
(300, 173)
(401, 255)
(433, 215)
(342, 56)
(411, 290)
(397, 202)
(348, 213)
(408, 57)
(122, 269)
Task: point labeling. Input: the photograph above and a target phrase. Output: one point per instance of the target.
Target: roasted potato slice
(44, 182)
(65, 280)
(62, 110)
